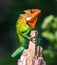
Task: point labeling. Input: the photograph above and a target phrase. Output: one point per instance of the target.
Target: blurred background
(46, 26)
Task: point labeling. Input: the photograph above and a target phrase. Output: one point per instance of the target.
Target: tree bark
(32, 55)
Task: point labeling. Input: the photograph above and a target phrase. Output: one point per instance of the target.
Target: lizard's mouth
(32, 17)
(31, 23)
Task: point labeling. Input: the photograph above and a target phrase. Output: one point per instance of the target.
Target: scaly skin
(25, 23)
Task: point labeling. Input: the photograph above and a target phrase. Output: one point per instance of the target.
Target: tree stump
(32, 55)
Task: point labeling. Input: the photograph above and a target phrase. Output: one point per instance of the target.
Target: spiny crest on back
(23, 16)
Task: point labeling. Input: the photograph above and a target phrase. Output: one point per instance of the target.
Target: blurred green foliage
(9, 13)
(49, 27)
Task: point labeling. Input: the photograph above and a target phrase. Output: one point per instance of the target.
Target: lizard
(25, 23)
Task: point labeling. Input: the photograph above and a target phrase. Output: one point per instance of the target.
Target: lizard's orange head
(32, 16)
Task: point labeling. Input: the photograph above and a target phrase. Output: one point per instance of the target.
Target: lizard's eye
(31, 12)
